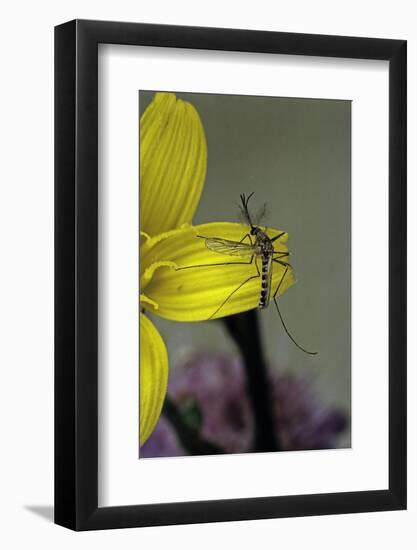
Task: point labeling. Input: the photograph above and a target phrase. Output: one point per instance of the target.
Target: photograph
(245, 274)
(208, 233)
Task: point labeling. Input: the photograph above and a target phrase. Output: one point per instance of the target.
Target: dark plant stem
(244, 329)
(189, 438)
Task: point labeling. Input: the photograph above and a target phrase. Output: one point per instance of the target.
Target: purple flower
(213, 387)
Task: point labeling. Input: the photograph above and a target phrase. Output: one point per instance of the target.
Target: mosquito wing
(231, 248)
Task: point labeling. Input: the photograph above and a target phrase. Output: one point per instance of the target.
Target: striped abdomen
(266, 276)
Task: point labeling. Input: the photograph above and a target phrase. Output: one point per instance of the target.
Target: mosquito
(259, 247)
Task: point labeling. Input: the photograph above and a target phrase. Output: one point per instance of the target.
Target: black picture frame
(76, 272)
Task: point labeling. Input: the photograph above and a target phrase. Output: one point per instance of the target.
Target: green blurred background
(295, 154)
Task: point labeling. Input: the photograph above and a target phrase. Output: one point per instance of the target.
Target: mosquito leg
(281, 254)
(278, 261)
(214, 265)
(280, 282)
(241, 240)
(278, 236)
(230, 295)
(246, 236)
(236, 289)
(280, 315)
(234, 292)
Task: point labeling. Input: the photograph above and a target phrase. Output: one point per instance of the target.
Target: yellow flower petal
(148, 273)
(153, 378)
(196, 293)
(173, 161)
(143, 299)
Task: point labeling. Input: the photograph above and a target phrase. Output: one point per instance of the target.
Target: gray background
(295, 154)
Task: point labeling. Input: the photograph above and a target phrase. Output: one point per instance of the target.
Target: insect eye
(254, 230)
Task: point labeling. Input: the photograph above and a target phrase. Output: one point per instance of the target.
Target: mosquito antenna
(244, 208)
(282, 319)
(261, 214)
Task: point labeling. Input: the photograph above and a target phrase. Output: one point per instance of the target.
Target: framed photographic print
(230, 275)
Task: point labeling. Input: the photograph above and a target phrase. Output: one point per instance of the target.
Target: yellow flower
(173, 159)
